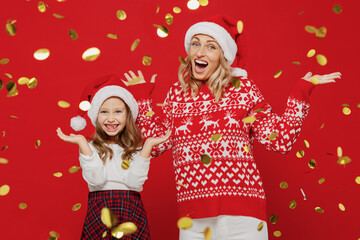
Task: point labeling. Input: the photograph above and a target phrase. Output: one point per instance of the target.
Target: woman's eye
(195, 44)
(212, 47)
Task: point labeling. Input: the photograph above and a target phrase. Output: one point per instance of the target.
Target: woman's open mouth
(200, 66)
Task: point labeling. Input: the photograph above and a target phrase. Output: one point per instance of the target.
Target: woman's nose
(200, 52)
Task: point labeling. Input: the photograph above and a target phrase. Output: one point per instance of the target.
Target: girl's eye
(118, 111)
(103, 111)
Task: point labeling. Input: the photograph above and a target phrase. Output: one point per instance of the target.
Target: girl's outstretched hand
(153, 141)
(72, 138)
(322, 79)
(138, 86)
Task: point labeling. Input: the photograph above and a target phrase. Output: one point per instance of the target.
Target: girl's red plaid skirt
(125, 205)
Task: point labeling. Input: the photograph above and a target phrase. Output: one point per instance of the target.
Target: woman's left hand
(322, 79)
(153, 141)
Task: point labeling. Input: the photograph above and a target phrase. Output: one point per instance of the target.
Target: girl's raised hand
(137, 85)
(322, 79)
(72, 138)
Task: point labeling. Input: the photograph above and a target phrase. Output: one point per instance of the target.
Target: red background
(275, 38)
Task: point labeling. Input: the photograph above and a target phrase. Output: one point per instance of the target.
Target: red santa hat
(96, 93)
(224, 30)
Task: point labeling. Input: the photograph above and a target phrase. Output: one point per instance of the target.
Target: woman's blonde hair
(217, 83)
(129, 138)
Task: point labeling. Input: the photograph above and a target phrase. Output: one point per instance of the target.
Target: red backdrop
(276, 37)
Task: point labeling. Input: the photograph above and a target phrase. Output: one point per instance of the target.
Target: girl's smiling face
(204, 54)
(112, 116)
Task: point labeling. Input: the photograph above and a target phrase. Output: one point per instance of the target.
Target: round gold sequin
(277, 74)
(4, 61)
(12, 89)
(112, 36)
(321, 32)
(149, 113)
(337, 9)
(346, 110)
(249, 119)
(74, 169)
(32, 83)
(121, 15)
(341, 207)
(314, 80)
(125, 164)
(58, 15)
(357, 179)
(104, 234)
(321, 59)
(58, 174)
(54, 234)
(23, 80)
(3, 161)
(4, 190)
(307, 144)
(177, 10)
(319, 210)
(146, 60)
(108, 218)
(236, 82)
(76, 207)
(22, 206)
(207, 233)
(310, 29)
(41, 7)
(240, 26)
(284, 185)
(273, 218)
(344, 160)
(91, 54)
(125, 228)
(277, 234)
(292, 204)
(37, 143)
(312, 163)
(203, 3)
(311, 53)
(339, 151)
(216, 137)
(41, 54)
(84, 105)
(321, 180)
(272, 136)
(205, 159)
(134, 45)
(169, 19)
(63, 104)
(184, 223)
(300, 153)
(73, 35)
(246, 148)
(260, 226)
(10, 27)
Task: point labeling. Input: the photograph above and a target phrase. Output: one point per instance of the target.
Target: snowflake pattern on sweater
(231, 183)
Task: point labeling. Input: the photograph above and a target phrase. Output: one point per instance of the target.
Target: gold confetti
(32, 83)
(182, 60)
(12, 89)
(84, 105)
(345, 105)
(3, 133)
(216, 137)
(76, 207)
(273, 218)
(121, 15)
(108, 218)
(4, 148)
(321, 59)
(341, 207)
(8, 75)
(3, 161)
(169, 19)
(135, 44)
(346, 110)
(125, 164)
(322, 126)
(337, 9)
(259, 110)
(260, 226)
(310, 29)
(10, 27)
(321, 32)
(23, 80)
(246, 148)
(357, 105)
(22, 206)
(125, 228)
(41, 7)
(203, 3)
(4, 190)
(58, 15)
(284, 185)
(292, 204)
(58, 174)
(16, 117)
(300, 153)
(236, 82)
(205, 159)
(91, 54)
(307, 144)
(344, 160)
(240, 26)
(301, 12)
(41, 54)
(149, 113)
(321, 180)
(74, 169)
(146, 60)
(1, 84)
(177, 10)
(112, 36)
(277, 234)
(161, 104)
(339, 151)
(4, 61)
(104, 234)
(314, 80)
(357, 179)
(63, 104)
(157, 9)
(319, 210)
(249, 119)
(162, 31)
(184, 223)
(180, 184)
(277, 74)
(312, 163)
(311, 53)
(73, 35)
(54, 234)
(296, 63)
(37, 143)
(272, 136)
(207, 233)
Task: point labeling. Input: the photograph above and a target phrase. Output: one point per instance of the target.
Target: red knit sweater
(231, 183)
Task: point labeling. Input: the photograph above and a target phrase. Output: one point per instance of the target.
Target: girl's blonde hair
(129, 138)
(217, 83)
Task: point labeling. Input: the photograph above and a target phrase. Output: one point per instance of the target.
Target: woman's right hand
(72, 138)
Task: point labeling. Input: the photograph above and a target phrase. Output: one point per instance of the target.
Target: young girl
(112, 163)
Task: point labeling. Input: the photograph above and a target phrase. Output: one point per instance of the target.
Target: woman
(215, 112)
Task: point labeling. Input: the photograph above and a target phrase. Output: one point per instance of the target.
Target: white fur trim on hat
(78, 123)
(236, 72)
(112, 91)
(224, 39)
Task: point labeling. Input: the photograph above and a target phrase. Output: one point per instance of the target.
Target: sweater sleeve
(279, 133)
(152, 126)
(137, 173)
(93, 169)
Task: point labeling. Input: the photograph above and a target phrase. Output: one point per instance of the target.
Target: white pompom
(78, 123)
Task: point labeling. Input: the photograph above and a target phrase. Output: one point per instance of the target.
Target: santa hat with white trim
(225, 31)
(96, 93)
